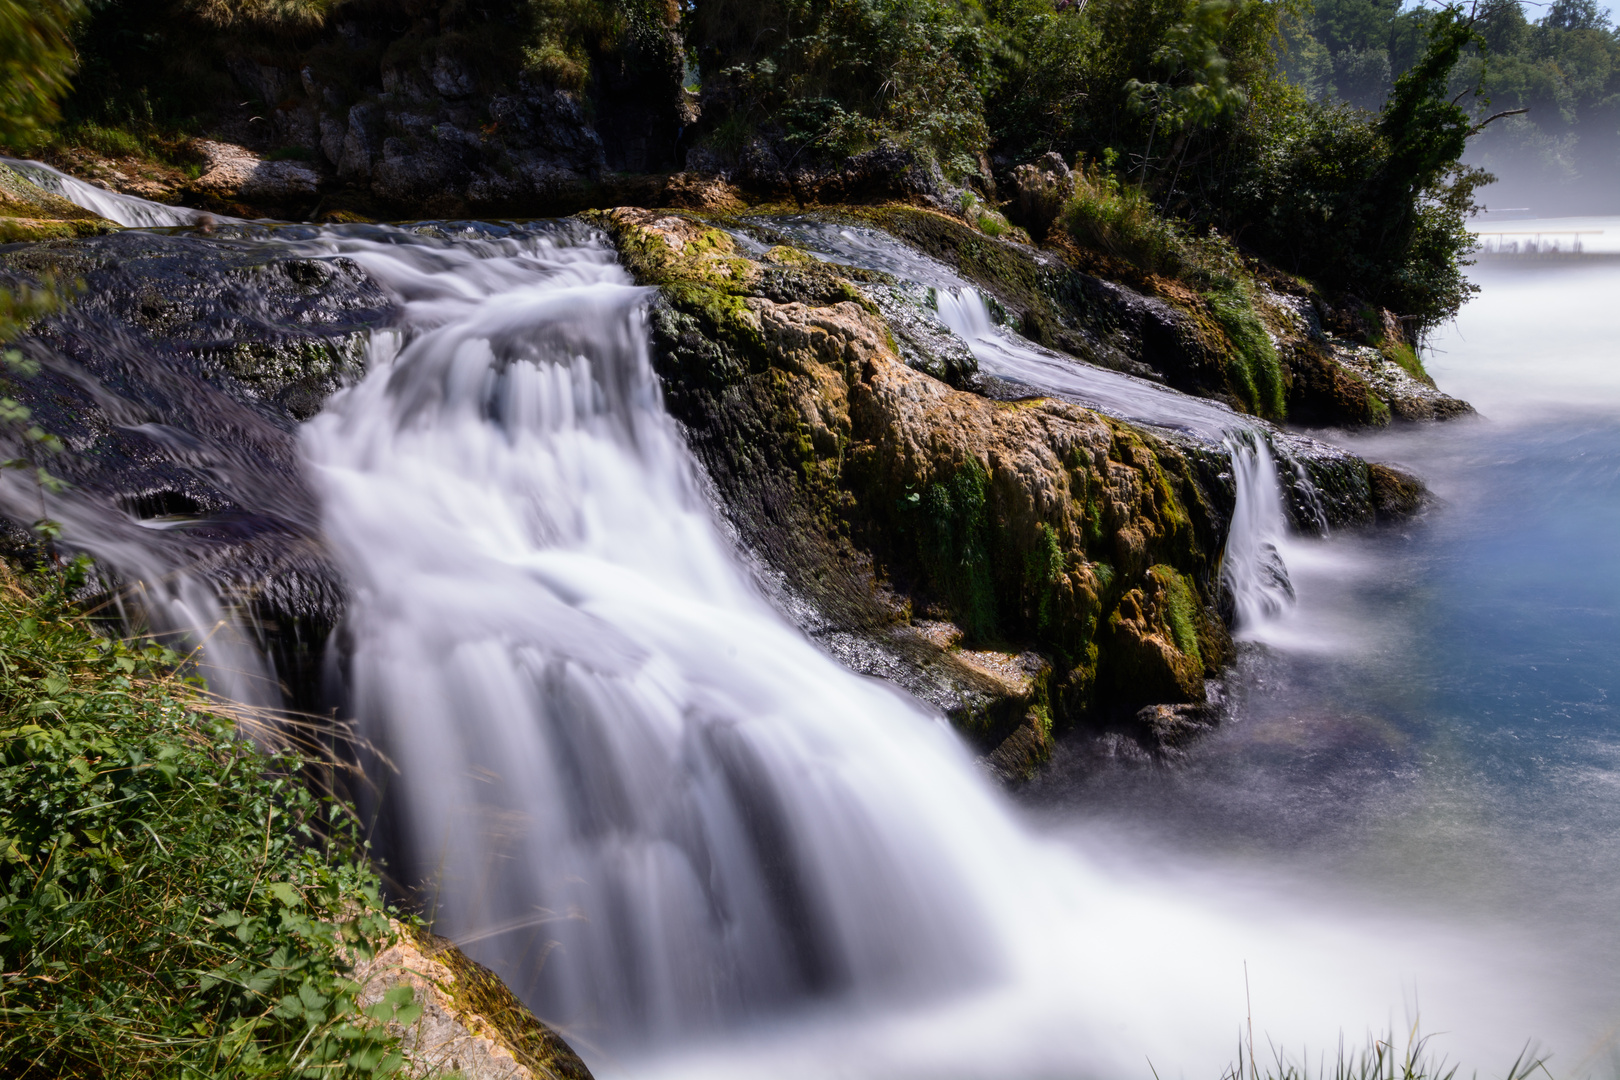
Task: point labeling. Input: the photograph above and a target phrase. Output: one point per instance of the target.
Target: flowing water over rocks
(613, 770)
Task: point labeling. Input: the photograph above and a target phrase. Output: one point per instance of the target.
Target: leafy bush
(36, 61)
(833, 77)
(1119, 219)
(173, 901)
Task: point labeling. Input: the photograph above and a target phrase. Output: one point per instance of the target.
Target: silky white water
(680, 830)
(700, 845)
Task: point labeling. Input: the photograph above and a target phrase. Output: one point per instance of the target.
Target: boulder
(1040, 188)
(470, 1024)
(235, 173)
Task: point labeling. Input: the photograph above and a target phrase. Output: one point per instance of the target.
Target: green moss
(480, 991)
(1406, 356)
(1043, 568)
(1252, 367)
(954, 546)
(1181, 610)
(788, 255)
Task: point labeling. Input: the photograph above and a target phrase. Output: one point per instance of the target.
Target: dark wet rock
(1167, 730)
(177, 380)
(1395, 494)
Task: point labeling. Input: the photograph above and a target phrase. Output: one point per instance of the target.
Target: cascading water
(1253, 573)
(127, 210)
(619, 772)
(626, 783)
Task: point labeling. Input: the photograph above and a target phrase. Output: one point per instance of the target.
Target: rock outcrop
(235, 174)
(469, 1024)
(176, 380)
(1023, 563)
(1335, 371)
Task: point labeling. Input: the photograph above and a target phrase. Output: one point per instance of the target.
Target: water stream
(705, 849)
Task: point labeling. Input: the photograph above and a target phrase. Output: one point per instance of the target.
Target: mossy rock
(28, 212)
(883, 495)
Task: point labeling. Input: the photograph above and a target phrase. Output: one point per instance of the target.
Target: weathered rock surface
(177, 379)
(1040, 188)
(1108, 314)
(470, 1024)
(235, 173)
(1072, 555)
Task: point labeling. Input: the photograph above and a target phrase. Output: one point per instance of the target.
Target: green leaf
(284, 892)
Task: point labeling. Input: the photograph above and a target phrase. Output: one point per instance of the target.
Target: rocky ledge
(1025, 564)
(28, 212)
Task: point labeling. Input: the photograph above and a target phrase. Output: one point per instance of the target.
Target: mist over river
(1427, 746)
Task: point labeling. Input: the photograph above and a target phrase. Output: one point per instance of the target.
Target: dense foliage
(36, 62)
(1563, 67)
(172, 901)
(1181, 99)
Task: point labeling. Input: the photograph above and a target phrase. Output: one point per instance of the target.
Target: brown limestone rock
(471, 1024)
(880, 493)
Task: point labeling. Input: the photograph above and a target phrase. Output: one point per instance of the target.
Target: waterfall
(617, 776)
(1253, 573)
(127, 210)
(621, 776)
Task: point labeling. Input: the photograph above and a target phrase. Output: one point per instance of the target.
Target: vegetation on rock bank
(173, 901)
(538, 106)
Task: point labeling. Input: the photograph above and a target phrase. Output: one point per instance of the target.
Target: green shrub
(173, 901)
(1118, 219)
(36, 60)
(833, 77)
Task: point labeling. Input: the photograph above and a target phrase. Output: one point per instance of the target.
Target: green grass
(1119, 220)
(174, 901)
(1379, 1059)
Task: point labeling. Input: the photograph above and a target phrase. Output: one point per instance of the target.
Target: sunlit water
(705, 849)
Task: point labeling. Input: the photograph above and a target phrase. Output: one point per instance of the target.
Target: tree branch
(1506, 112)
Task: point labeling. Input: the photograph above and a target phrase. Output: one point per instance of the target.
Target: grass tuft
(1379, 1059)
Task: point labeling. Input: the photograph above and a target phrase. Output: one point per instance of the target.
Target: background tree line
(1206, 113)
(1559, 60)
